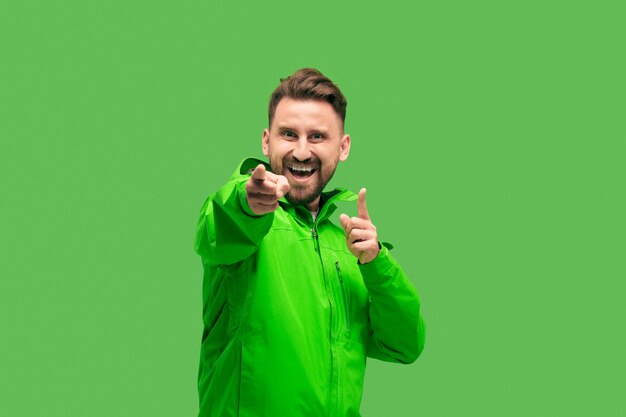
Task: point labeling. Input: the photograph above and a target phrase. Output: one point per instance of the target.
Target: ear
(344, 148)
(265, 143)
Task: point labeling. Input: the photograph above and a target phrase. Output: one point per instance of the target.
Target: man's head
(305, 139)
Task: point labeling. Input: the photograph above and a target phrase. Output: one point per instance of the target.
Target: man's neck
(314, 205)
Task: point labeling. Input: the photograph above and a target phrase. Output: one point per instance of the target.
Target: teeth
(301, 169)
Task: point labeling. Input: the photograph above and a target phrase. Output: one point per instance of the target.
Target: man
(293, 303)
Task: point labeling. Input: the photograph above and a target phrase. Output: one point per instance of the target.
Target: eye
(288, 134)
(318, 136)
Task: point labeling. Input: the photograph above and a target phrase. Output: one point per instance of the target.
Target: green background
(490, 136)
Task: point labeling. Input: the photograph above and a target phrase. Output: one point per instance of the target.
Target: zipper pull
(314, 233)
(339, 271)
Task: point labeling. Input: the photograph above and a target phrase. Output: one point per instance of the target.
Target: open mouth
(301, 172)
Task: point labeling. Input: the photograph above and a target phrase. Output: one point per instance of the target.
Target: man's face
(304, 143)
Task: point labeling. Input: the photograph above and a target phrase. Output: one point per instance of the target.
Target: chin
(303, 198)
(300, 200)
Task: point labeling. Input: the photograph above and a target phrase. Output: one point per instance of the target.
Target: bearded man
(292, 303)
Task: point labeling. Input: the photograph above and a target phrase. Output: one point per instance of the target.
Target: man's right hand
(263, 190)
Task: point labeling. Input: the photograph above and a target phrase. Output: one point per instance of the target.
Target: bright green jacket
(289, 313)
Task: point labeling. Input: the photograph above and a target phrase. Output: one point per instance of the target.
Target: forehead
(306, 114)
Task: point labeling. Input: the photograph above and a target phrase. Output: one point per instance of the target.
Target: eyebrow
(317, 130)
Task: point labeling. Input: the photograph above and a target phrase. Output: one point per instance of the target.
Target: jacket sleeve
(228, 231)
(397, 330)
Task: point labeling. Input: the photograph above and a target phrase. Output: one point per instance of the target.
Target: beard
(304, 194)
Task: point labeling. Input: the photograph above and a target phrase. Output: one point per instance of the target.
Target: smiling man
(301, 160)
(292, 303)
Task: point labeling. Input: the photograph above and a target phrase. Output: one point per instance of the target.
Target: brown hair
(308, 84)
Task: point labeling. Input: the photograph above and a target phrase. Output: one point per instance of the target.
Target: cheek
(329, 157)
(279, 148)
(277, 153)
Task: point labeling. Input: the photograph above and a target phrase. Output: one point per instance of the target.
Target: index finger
(362, 206)
(259, 173)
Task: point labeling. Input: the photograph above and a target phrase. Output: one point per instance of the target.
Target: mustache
(291, 160)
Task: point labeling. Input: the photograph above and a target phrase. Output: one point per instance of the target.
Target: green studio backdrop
(496, 128)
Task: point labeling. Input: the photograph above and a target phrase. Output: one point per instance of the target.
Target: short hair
(308, 84)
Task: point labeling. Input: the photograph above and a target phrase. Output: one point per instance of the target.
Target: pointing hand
(263, 190)
(361, 236)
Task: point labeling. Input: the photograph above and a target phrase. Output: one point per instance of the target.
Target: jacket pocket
(346, 310)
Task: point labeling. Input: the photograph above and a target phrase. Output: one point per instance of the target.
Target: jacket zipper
(317, 249)
(343, 295)
(314, 234)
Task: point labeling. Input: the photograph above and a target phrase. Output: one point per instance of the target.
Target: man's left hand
(361, 236)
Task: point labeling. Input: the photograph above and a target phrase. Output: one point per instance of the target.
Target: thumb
(344, 219)
(282, 187)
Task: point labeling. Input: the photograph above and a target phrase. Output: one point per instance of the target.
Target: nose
(302, 151)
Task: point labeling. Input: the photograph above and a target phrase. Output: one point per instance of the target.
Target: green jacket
(289, 314)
